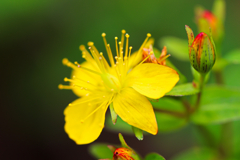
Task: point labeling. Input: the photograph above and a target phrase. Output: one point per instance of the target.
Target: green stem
(199, 95)
(173, 113)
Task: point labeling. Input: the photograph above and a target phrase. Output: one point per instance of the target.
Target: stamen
(130, 49)
(60, 86)
(95, 110)
(144, 43)
(127, 41)
(122, 38)
(108, 49)
(151, 52)
(162, 59)
(116, 38)
(69, 64)
(92, 71)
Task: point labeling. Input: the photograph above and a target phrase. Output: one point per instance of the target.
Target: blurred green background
(36, 35)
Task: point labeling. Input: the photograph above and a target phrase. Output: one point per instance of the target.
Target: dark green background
(36, 35)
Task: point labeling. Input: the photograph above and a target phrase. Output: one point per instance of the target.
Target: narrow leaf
(138, 133)
(183, 90)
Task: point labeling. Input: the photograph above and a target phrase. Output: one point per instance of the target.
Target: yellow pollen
(148, 35)
(65, 79)
(90, 44)
(65, 61)
(103, 34)
(60, 86)
(82, 47)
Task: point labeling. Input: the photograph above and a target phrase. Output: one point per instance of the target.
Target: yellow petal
(136, 110)
(152, 80)
(85, 118)
(87, 79)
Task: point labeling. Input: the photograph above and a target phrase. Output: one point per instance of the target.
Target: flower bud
(206, 19)
(202, 52)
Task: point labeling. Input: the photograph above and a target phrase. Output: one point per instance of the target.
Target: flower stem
(199, 95)
(173, 113)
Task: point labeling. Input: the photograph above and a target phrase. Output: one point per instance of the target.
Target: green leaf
(197, 154)
(169, 123)
(120, 126)
(154, 156)
(165, 121)
(138, 133)
(177, 47)
(233, 56)
(100, 151)
(218, 105)
(183, 90)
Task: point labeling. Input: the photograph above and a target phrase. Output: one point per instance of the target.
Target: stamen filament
(116, 38)
(60, 86)
(66, 62)
(92, 71)
(127, 41)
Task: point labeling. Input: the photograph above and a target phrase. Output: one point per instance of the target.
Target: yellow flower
(120, 84)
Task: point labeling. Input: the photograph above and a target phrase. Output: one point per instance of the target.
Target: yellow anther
(82, 47)
(60, 86)
(70, 104)
(103, 34)
(101, 53)
(65, 61)
(90, 44)
(127, 35)
(116, 38)
(148, 35)
(123, 31)
(65, 79)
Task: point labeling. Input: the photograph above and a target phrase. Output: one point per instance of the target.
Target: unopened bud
(202, 52)
(206, 19)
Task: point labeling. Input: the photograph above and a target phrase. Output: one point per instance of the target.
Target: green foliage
(177, 47)
(183, 90)
(100, 151)
(219, 105)
(167, 122)
(197, 154)
(154, 156)
(233, 56)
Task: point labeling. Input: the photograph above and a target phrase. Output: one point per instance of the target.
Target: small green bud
(202, 52)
